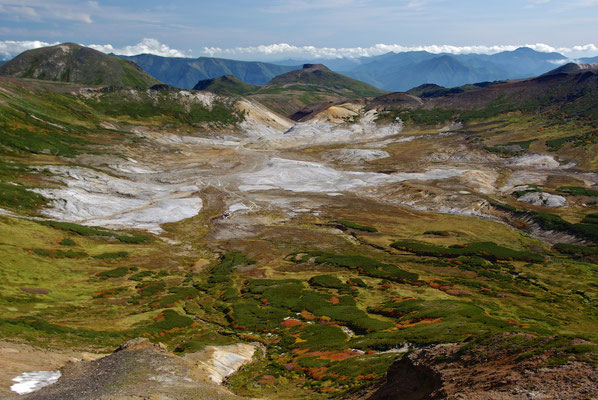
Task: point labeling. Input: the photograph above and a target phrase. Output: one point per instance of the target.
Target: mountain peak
(71, 62)
(320, 67)
(524, 50)
(572, 68)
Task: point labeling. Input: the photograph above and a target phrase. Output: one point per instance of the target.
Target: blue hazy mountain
(391, 71)
(403, 71)
(184, 73)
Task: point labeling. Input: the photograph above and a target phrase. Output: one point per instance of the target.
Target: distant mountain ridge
(69, 62)
(390, 71)
(184, 73)
(403, 71)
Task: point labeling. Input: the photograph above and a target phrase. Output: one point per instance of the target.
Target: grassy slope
(76, 64)
(226, 84)
(50, 123)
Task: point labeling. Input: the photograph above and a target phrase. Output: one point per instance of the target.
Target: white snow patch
(29, 382)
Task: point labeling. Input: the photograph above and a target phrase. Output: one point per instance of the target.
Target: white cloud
(10, 48)
(284, 50)
(146, 46)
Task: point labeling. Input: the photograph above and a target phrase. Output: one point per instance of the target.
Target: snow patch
(29, 382)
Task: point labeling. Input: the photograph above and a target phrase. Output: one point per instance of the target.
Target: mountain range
(403, 71)
(391, 71)
(184, 73)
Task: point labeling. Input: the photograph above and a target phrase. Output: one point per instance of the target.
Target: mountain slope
(290, 92)
(572, 68)
(403, 71)
(184, 73)
(320, 75)
(73, 63)
(227, 84)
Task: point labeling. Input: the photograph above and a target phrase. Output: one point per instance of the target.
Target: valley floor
(306, 264)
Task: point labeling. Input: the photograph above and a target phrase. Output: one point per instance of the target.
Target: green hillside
(227, 84)
(69, 62)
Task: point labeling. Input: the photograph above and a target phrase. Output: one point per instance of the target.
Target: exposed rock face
(309, 177)
(95, 198)
(137, 370)
(485, 372)
(407, 380)
(219, 362)
(538, 161)
(544, 199)
(354, 156)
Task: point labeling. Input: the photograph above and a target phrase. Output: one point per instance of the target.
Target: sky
(300, 29)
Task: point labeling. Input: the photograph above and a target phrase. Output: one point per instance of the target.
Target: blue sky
(247, 29)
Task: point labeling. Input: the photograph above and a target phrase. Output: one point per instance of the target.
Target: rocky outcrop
(138, 369)
(492, 371)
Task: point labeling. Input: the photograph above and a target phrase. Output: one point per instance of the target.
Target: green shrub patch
(590, 219)
(125, 237)
(587, 229)
(248, 315)
(320, 336)
(577, 191)
(434, 321)
(363, 265)
(149, 289)
(327, 281)
(140, 275)
(170, 319)
(112, 256)
(578, 252)
(487, 250)
(221, 271)
(117, 272)
(58, 253)
(353, 225)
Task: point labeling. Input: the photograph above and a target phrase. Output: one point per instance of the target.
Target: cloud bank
(283, 50)
(9, 49)
(146, 46)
